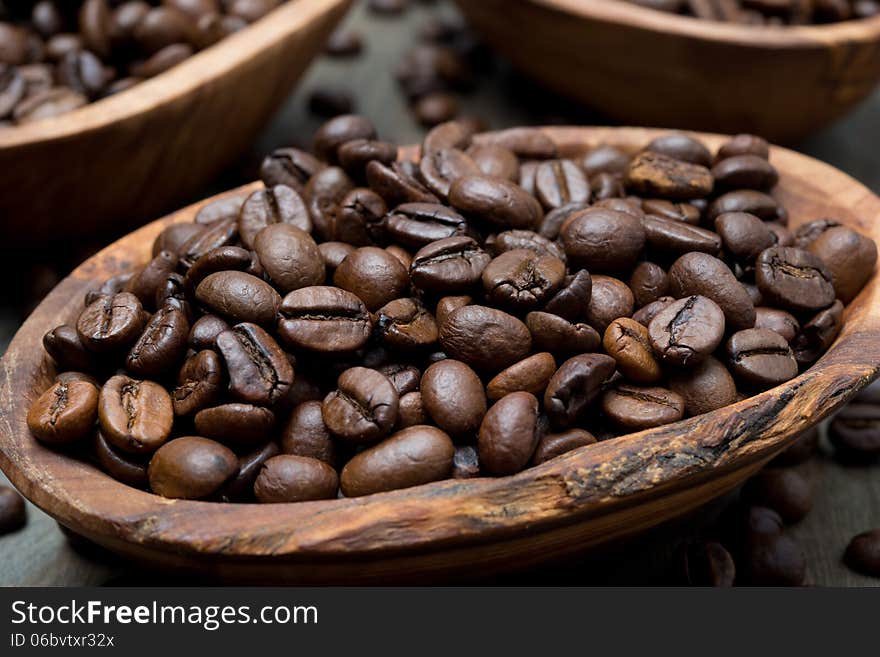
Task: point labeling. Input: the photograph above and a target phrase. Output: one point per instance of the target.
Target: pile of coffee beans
(768, 12)
(58, 56)
(362, 323)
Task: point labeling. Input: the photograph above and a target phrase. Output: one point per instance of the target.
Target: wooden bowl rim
(586, 483)
(205, 67)
(864, 30)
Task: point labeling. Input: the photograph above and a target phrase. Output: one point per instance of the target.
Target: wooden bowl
(639, 66)
(130, 157)
(450, 528)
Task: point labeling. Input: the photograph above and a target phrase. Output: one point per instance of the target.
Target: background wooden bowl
(451, 528)
(129, 157)
(639, 66)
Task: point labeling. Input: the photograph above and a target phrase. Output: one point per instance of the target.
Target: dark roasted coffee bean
(111, 322)
(784, 490)
(605, 159)
(761, 358)
(683, 212)
(644, 315)
(495, 161)
(241, 487)
(495, 201)
(324, 194)
(648, 283)
(240, 297)
(705, 387)
(259, 371)
(251, 10)
(62, 343)
(552, 445)
(175, 236)
(291, 478)
(849, 257)
(274, 205)
(707, 563)
(64, 413)
(419, 224)
(127, 468)
(522, 279)
(329, 101)
(290, 167)
(333, 253)
(305, 434)
(205, 330)
(754, 202)
(411, 411)
(447, 305)
(744, 235)
(413, 456)
(655, 174)
(743, 144)
(745, 172)
(526, 143)
(681, 146)
(405, 378)
(775, 560)
(135, 416)
(627, 342)
(818, 334)
(559, 183)
(13, 88)
(440, 168)
(485, 338)
(235, 424)
(794, 279)
(603, 240)
(374, 275)
(221, 259)
(359, 218)
(453, 396)
(13, 514)
(809, 232)
(448, 266)
(290, 257)
(707, 276)
(356, 154)
(855, 431)
(687, 331)
(531, 374)
(572, 300)
(611, 298)
(199, 383)
(435, 108)
(191, 468)
(509, 434)
(634, 408)
(324, 319)
(337, 132)
(560, 336)
(145, 282)
(406, 324)
(863, 553)
(162, 344)
(673, 238)
(363, 408)
(397, 185)
(553, 221)
(575, 386)
(47, 104)
(221, 232)
(83, 72)
(510, 240)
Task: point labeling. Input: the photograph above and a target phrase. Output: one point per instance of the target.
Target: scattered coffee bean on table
(360, 324)
(863, 553)
(13, 514)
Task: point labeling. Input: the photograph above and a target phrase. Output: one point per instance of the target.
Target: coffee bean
(707, 276)
(522, 279)
(531, 374)
(363, 408)
(275, 205)
(634, 408)
(575, 386)
(290, 167)
(162, 344)
(331, 101)
(333, 253)
(218, 233)
(411, 411)
(648, 283)
(628, 343)
(761, 358)
(745, 172)
(552, 445)
(372, 274)
(485, 338)
(526, 143)
(405, 378)
(199, 383)
(559, 336)
(509, 434)
(144, 283)
(325, 320)
(553, 221)
(344, 43)
(705, 387)
(655, 174)
(290, 257)
(708, 563)
(855, 431)
(191, 468)
(354, 155)
(495, 161)
(782, 489)
(603, 240)
(235, 424)
(775, 560)
(420, 224)
(611, 298)
(13, 88)
(48, 104)
(241, 487)
(818, 334)
(511, 240)
(794, 279)
(495, 201)
(338, 131)
(205, 330)
(135, 416)
(448, 266)
(453, 396)
(863, 553)
(680, 146)
(682, 212)
(572, 300)
(217, 260)
(324, 195)
(13, 514)
(687, 331)
(259, 371)
(753, 202)
(397, 184)
(62, 343)
(239, 297)
(291, 478)
(436, 108)
(560, 182)
(305, 434)
(64, 413)
(849, 257)
(406, 324)
(111, 322)
(673, 238)
(743, 144)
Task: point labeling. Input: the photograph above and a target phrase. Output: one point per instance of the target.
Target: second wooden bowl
(124, 159)
(459, 527)
(639, 66)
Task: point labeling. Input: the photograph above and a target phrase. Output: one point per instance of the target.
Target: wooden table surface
(847, 499)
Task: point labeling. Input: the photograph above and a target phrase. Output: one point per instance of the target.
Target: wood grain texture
(645, 67)
(586, 498)
(129, 157)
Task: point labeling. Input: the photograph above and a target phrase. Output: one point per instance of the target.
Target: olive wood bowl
(125, 159)
(640, 66)
(454, 528)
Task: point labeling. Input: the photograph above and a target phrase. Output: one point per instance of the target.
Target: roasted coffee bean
(251, 10)
(648, 283)
(572, 300)
(217, 260)
(863, 553)
(681, 146)
(324, 319)
(83, 72)
(413, 456)
(160, 27)
(290, 167)
(761, 358)
(753, 202)
(531, 374)
(673, 238)
(411, 411)
(144, 283)
(849, 257)
(13, 514)
(707, 276)
(275, 205)
(634, 408)
(64, 413)
(406, 324)
(495, 161)
(611, 298)
(290, 257)
(495, 201)
(239, 297)
(442, 167)
(687, 331)
(396, 184)
(707, 563)
(205, 330)
(333, 253)
(485, 338)
(337, 132)
(171, 292)
(291, 478)
(344, 43)
(465, 463)
(526, 143)
(745, 172)
(324, 195)
(405, 378)
(111, 322)
(818, 334)
(782, 489)
(453, 396)
(241, 487)
(744, 235)
(560, 182)
(807, 233)
(447, 305)
(161, 345)
(552, 445)
(218, 233)
(559, 336)
(47, 104)
(363, 408)
(554, 220)
(127, 468)
(374, 275)
(235, 424)
(655, 174)
(509, 434)
(682, 212)
(510, 240)
(774, 560)
(259, 371)
(627, 342)
(356, 154)
(402, 255)
(452, 134)
(575, 386)
(705, 387)
(605, 159)
(135, 416)
(305, 434)
(603, 240)
(359, 218)
(435, 108)
(420, 224)
(175, 236)
(191, 468)
(448, 266)
(199, 383)
(855, 431)
(62, 343)
(794, 279)
(743, 144)
(522, 279)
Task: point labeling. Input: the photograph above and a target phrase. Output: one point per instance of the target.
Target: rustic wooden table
(847, 499)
